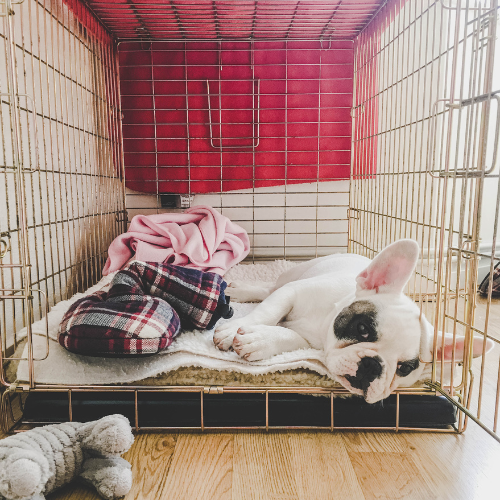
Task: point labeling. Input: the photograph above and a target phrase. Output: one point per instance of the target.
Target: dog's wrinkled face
(378, 339)
(381, 339)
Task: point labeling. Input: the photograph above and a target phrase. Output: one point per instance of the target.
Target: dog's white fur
(301, 311)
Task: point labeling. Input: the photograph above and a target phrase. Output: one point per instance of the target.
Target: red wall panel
(304, 112)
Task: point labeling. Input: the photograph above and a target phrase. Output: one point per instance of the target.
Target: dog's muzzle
(369, 369)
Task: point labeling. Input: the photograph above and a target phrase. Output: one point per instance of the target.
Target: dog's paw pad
(224, 335)
(251, 345)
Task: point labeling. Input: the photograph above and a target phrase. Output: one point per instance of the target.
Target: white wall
(299, 220)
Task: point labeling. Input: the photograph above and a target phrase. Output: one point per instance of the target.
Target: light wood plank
(202, 467)
(461, 467)
(151, 458)
(390, 476)
(375, 441)
(322, 467)
(262, 468)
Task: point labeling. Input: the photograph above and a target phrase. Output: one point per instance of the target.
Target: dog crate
(319, 126)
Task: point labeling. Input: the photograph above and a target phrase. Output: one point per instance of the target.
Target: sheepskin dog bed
(193, 360)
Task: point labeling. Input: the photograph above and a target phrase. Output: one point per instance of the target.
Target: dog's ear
(477, 347)
(391, 269)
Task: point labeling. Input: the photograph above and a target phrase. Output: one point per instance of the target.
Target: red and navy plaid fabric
(192, 293)
(143, 310)
(495, 285)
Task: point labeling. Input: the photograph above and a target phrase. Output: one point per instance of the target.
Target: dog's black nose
(368, 370)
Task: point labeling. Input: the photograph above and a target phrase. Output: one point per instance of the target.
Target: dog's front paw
(224, 334)
(257, 342)
(238, 291)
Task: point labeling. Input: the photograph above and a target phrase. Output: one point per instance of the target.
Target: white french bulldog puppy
(354, 309)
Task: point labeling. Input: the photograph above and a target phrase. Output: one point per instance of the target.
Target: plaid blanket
(143, 310)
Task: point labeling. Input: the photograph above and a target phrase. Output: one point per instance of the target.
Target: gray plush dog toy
(38, 461)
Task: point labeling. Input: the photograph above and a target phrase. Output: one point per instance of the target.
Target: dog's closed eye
(406, 367)
(363, 331)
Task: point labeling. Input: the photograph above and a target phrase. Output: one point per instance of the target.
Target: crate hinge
(213, 389)
(5, 7)
(4, 244)
(458, 105)
(17, 387)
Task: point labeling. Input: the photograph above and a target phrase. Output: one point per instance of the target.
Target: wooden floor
(296, 465)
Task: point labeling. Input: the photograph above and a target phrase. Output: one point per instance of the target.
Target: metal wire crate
(317, 125)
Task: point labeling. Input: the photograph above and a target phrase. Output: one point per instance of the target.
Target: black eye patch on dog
(406, 367)
(357, 322)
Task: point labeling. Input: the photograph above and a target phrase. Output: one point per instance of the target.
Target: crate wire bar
(136, 392)
(82, 78)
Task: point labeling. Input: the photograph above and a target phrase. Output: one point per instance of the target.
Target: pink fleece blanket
(200, 238)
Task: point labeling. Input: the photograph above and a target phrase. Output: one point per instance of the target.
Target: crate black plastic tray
(164, 409)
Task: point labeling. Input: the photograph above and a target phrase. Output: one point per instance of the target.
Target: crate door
(465, 121)
(425, 137)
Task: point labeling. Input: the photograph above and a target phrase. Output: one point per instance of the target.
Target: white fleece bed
(191, 349)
